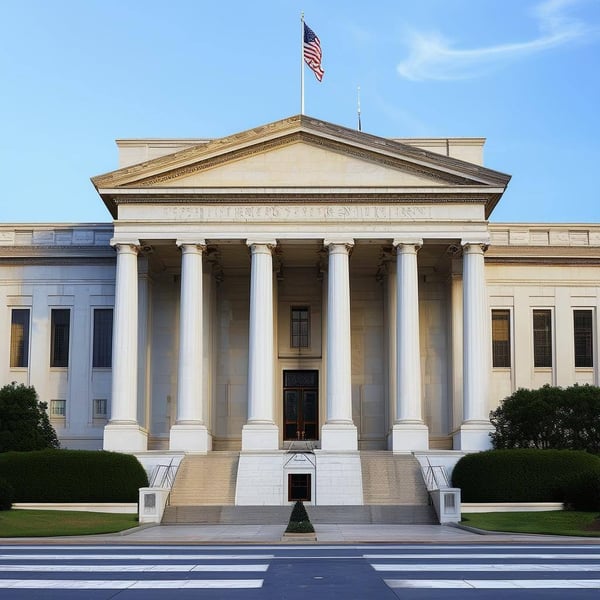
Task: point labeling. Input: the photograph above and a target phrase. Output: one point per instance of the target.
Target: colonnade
(260, 432)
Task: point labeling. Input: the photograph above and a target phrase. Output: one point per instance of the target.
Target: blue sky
(77, 74)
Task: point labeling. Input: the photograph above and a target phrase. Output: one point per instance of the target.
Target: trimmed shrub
(6, 495)
(550, 417)
(73, 476)
(299, 521)
(584, 492)
(526, 475)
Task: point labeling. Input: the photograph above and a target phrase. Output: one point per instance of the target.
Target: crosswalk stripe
(132, 568)
(459, 556)
(486, 567)
(155, 557)
(494, 583)
(74, 584)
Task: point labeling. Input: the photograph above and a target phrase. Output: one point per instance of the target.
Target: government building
(295, 295)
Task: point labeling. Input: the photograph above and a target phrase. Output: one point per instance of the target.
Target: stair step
(279, 515)
(207, 480)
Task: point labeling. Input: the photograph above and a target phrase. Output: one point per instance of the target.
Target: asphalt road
(340, 572)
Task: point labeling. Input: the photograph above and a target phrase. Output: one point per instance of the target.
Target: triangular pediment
(299, 152)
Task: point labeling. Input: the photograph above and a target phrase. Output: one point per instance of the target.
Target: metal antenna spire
(358, 100)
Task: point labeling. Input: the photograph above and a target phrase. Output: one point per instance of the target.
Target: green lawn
(43, 523)
(556, 522)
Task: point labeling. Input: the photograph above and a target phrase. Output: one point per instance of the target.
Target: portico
(301, 247)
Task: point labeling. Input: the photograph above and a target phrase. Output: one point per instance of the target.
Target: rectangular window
(542, 338)
(102, 345)
(300, 327)
(60, 325)
(19, 337)
(58, 409)
(501, 338)
(583, 334)
(299, 487)
(100, 408)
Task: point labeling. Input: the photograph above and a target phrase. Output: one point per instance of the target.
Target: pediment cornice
(300, 129)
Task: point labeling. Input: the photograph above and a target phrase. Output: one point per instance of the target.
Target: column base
(473, 436)
(410, 436)
(260, 436)
(339, 437)
(190, 437)
(125, 436)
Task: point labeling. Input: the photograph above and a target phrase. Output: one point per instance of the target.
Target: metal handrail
(435, 476)
(163, 476)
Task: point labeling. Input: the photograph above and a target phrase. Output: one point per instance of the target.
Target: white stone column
(391, 318)
(339, 431)
(189, 432)
(475, 429)
(123, 433)
(260, 432)
(409, 431)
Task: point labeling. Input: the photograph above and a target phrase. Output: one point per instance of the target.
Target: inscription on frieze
(297, 213)
(7, 237)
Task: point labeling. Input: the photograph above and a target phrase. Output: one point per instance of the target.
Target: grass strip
(45, 523)
(555, 522)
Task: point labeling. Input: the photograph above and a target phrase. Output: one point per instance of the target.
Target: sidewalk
(326, 534)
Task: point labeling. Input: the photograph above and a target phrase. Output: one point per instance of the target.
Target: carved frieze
(302, 213)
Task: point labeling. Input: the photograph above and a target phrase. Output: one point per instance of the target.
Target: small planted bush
(73, 476)
(523, 475)
(299, 521)
(7, 495)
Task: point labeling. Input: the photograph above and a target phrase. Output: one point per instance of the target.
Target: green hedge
(72, 476)
(523, 475)
(6, 495)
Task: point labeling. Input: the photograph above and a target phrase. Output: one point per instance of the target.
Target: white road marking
(486, 567)
(71, 584)
(459, 556)
(155, 557)
(131, 568)
(494, 583)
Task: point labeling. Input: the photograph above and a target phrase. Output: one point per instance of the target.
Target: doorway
(300, 405)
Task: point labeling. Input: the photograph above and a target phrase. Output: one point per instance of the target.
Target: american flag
(312, 52)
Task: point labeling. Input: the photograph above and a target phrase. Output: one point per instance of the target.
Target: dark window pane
(295, 379)
(19, 337)
(103, 326)
(59, 351)
(299, 487)
(300, 327)
(583, 330)
(542, 338)
(501, 338)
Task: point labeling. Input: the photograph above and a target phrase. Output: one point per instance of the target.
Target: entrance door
(300, 405)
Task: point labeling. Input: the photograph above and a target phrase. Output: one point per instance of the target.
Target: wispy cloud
(433, 57)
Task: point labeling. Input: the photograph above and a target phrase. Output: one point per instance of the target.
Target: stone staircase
(395, 480)
(206, 481)
(393, 492)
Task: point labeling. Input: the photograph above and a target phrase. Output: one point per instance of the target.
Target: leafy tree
(24, 422)
(550, 417)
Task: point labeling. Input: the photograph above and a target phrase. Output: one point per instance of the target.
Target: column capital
(130, 246)
(406, 243)
(261, 246)
(474, 246)
(198, 245)
(343, 245)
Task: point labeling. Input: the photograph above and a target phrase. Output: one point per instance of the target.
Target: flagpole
(358, 98)
(302, 63)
